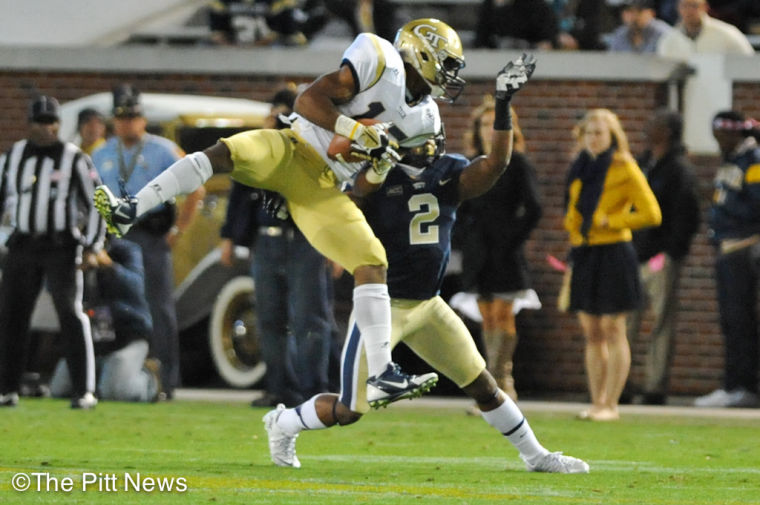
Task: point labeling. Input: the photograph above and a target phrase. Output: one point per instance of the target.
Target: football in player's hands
(343, 149)
(514, 75)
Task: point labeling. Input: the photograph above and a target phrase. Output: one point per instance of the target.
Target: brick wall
(550, 353)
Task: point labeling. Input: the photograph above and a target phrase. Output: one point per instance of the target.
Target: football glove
(371, 141)
(514, 75)
(274, 204)
(379, 167)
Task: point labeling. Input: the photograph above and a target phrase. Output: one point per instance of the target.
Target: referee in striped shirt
(46, 189)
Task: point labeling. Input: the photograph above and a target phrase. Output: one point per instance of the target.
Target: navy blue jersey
(735, 212)
(413, 218)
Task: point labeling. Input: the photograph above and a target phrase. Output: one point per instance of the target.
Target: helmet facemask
(448, 85)
(420, 153)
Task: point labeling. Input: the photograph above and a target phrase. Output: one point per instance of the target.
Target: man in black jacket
(662, 250)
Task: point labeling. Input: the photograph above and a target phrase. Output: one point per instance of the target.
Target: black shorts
(605, 279)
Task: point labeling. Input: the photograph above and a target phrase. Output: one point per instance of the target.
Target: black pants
(30, 261)
(737, 281)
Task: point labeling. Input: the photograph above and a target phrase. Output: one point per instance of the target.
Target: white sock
(303, 417)
(372, 309)
(182, 177)
(511, 423)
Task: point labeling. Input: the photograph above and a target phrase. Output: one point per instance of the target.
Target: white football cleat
(282, 447)
(556, 462)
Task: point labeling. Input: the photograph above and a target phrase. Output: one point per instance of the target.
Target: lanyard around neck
(125, 171)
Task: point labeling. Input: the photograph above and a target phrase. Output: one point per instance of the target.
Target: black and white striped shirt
(48, 190)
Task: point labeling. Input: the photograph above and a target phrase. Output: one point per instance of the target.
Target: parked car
(215, 308)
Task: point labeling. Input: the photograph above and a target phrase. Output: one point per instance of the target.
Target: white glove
(372, 141)
(514, 75)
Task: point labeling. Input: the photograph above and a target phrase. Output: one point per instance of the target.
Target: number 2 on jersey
(425, 208)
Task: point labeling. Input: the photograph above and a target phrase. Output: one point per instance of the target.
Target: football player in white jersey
(377, 80)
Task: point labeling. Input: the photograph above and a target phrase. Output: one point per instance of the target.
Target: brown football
(342, 145)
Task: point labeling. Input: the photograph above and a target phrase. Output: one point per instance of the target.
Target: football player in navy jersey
(412, 214)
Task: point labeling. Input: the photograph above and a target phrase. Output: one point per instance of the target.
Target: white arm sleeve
(181, 178)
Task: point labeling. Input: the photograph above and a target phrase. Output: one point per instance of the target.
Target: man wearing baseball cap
(47, 186)
(126, 162)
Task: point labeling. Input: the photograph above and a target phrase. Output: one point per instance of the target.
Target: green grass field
(395, 456)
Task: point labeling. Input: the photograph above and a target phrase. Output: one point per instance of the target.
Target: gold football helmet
(434, 49)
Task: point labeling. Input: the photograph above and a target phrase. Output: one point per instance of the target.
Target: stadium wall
(550, 353)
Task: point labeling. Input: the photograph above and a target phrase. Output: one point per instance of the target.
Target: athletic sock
(303, 417)
(182, 177)
(509, 420)
(372, 310)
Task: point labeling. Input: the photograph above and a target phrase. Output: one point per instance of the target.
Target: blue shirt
(413, 218)
(621, 37)
(154, 156)
(120, 290)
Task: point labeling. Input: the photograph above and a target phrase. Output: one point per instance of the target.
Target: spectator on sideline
(493, 229)
(293, 292)
(126, 162)
(91, 126)
(607, 197)
(46, 187)
(662, 250)
(641, 30)
(697, 32)
(120, 317)
(735, 229)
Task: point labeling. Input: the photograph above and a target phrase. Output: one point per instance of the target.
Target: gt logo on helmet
(429, 32)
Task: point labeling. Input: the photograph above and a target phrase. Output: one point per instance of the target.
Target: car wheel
(234, 343)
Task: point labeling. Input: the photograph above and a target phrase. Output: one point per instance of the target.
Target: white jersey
(381, 79)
